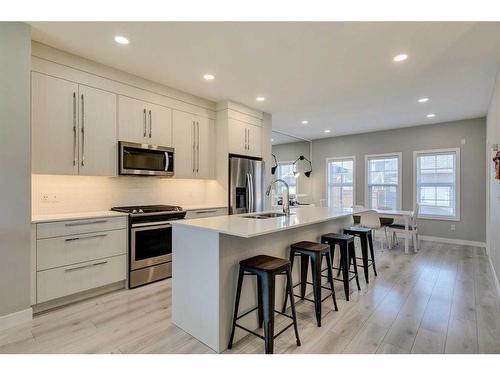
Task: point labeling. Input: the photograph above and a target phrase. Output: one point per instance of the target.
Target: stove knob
(134, 211)
(141, 211)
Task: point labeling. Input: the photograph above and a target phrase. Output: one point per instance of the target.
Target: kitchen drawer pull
(86, 223)
(85, 266)
(78, 268)
(205, 212)
(85, 238)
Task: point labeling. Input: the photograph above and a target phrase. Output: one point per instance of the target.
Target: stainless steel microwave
(145, 160)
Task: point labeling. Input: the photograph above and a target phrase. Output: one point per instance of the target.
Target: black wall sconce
(273, 168)
(308, 173)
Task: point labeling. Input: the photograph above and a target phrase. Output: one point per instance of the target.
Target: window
(436, 183)
(383, 180)
(340, 181)
(285, 172)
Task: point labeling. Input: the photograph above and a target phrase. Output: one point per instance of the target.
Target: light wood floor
(441, 300)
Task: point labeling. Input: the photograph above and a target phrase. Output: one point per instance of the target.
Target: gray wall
(406, 140)
(15, 170)
(493, 185)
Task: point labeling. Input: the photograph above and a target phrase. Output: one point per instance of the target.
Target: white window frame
(399, 155)
(341, 158)
(288, 162)
(457, 182)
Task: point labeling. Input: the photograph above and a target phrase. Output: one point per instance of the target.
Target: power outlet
(48, 197)
(452, 227)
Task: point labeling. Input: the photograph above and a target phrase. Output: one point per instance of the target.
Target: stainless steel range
(150, 242)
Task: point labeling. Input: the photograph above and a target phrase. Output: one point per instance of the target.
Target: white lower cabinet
(79, 255)
(63, 281)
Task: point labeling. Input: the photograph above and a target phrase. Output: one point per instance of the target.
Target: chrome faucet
(286, 195)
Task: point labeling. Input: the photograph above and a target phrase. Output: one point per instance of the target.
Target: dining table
(403, 215)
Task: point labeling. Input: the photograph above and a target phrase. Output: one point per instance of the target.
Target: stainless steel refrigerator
(246, 185)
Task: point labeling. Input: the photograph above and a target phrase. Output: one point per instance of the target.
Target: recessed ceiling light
(304, 122)
(260, 98)
(327, 131)
(431, 115)
(272, 139)
(401, 57)
(121, 39)
(209, 77)
(423, 100)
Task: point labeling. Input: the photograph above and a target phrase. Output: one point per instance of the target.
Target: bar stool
(365, 235)
(315, 252)
(265, 267)
(347, 257)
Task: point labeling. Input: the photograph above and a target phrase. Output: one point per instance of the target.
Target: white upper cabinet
(244, 138)
(54, 114)
(143, 122)
(98, 141)
(74, 128)
(159, 125)
(193, 139)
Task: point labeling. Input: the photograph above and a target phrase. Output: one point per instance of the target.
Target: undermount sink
(266, 215)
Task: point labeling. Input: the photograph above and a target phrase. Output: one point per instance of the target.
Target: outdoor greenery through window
(383, 183)
(340, 182)
(436, 183)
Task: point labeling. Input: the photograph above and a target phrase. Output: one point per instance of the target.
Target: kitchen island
(206, 256)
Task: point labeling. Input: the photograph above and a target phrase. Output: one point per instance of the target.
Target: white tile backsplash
(68, 194)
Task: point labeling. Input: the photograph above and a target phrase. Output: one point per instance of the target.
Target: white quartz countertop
(75, 216)
(240, 226)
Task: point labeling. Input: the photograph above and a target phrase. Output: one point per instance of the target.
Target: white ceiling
(337, 75)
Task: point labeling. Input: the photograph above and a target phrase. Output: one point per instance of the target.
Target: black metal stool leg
(352, 254)
(330, 279)
(236, 306)
(259, 301)
(292, 257)
(292, 303)
(345, 268)
(304, 265)
(268, 288)
(316, 281)
(364, 252)
(372, 253)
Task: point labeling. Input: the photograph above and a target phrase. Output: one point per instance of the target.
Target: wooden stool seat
(311, 246)
(357, 230)
(265, 263)
(337, 237)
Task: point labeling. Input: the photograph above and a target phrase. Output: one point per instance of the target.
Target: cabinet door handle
(86, 223)
(74, 129)
(100, 263)
(144, 133)
(150, 124)
(85, 238)
(78, 268)
(194, 146)
(206, 212)
(197, 147)
(83, 131)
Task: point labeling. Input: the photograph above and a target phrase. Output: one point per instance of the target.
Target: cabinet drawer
(68, 228)
(63, 281)
(63, 251)
(208, 212)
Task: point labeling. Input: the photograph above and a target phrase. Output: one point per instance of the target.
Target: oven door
(150, 245)
(145, 159)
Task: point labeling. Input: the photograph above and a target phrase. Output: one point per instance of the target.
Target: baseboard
(19, 317)
(495, 278)
(455, 241)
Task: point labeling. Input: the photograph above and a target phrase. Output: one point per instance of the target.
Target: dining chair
(412, 228)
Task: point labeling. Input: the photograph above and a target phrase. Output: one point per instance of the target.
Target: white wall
(15, 167)
(493, 219)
